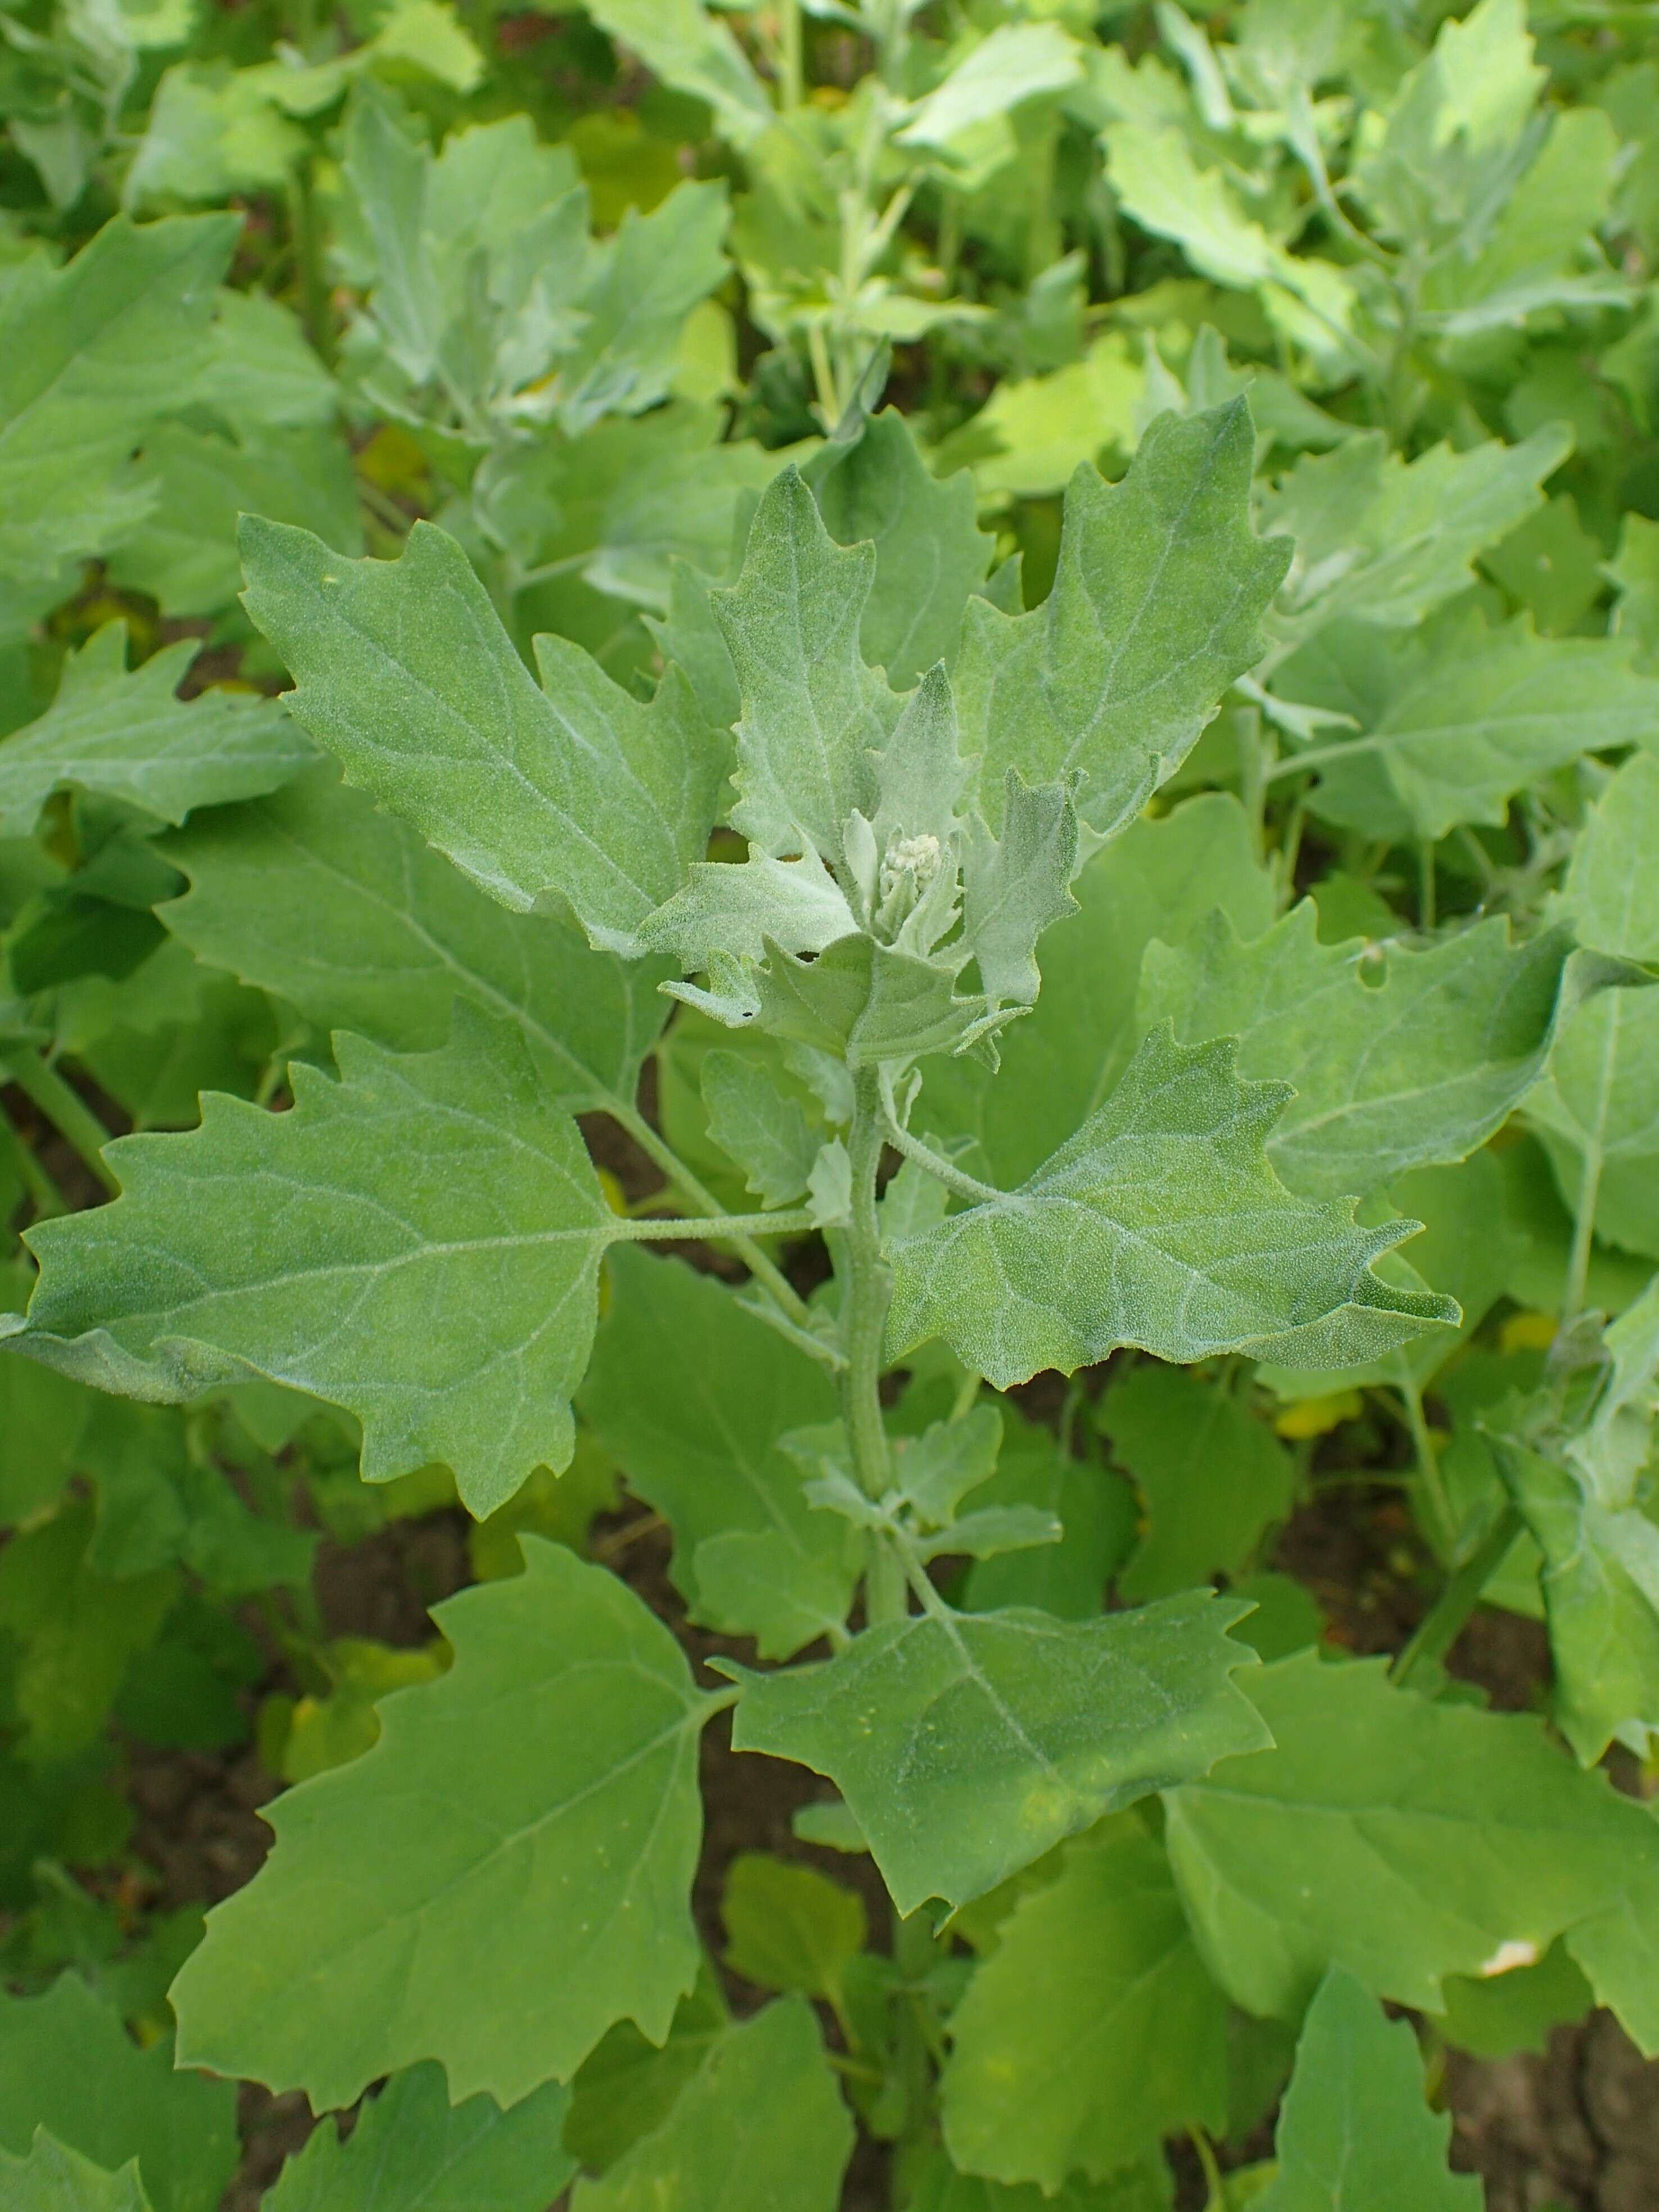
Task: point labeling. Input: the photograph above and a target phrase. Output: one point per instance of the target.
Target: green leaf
(544, 1797)
(1387, 540)
(1159, 878)
(1580, 1487)
(1162, 1224)
(1015, 887)
(1147, 2187)
(570, 790)
(1400, 1057)
(1354, 2134)
(789, 1928)
(1404, 1841)
(183, 554)
(1156, 608)
(54, 2179)
(705, 1456)
(625, 503)
(451, 1311)
(128, 736)
(680, 42)
(1453, 722)
(410, 2147)
(351, 917)
(79, 1630)
(1097, 1513)
(1552, 565)
(626, 2087)
(812, 712)
(1213, 1478)
(767, 1135)
(68, 2065)
(1512, 2012)
(1635, 575)
(261, 372)
(650, 276)
(94, 353)
(967, 1744)
(1014, 63)
(760, 2128)
(930, 553)
(1597, 1109)
(1093, 2031)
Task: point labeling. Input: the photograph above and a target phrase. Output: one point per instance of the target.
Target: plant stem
(865, 1294)
(714, 1228)
(67, 1112)
(951, 1176)
(1445, 1619)
(314, 310)
(1426, 884)
(35, 1179)
(703, 1201)
(791, 74)
(1430, 1479)
(1589, 1180)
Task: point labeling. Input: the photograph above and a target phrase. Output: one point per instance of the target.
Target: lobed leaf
(505, 1875)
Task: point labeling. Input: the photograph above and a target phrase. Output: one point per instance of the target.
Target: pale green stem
(865, 1296)
(712, 1228)
(1445, 1620)
(791, 82)
(67, 1111)
(953, 1177)
(701, 1201)
(1589, 1182)
(1430, 1479)
(35, 1179)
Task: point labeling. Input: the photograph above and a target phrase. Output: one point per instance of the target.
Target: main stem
(866, 1295)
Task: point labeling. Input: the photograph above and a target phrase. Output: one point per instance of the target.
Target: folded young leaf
(92, 354)
(968, 1744)
(502, 1877)
(1092, 2030)
(813, 714)
(1404, 1841)
(429, 1261)
(129, 736)
(1453, 723)
(347, 914)
(51, 2179)
(68, 2066)
(1398, 1059)
(760, 2127)
(570, 790)
(1162, 1224)
(412, 2147)
(1157, 607)
(1354, 2133)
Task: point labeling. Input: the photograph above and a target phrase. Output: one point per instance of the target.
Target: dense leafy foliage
(992, 665)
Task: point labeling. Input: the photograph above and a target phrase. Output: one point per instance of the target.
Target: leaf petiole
(67, 1111)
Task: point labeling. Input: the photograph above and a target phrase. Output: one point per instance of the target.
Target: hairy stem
(67, 1112)
(947, 1172)
(1445, 1619)
(701, 1201)
(714, 1228)
(864, 1297)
